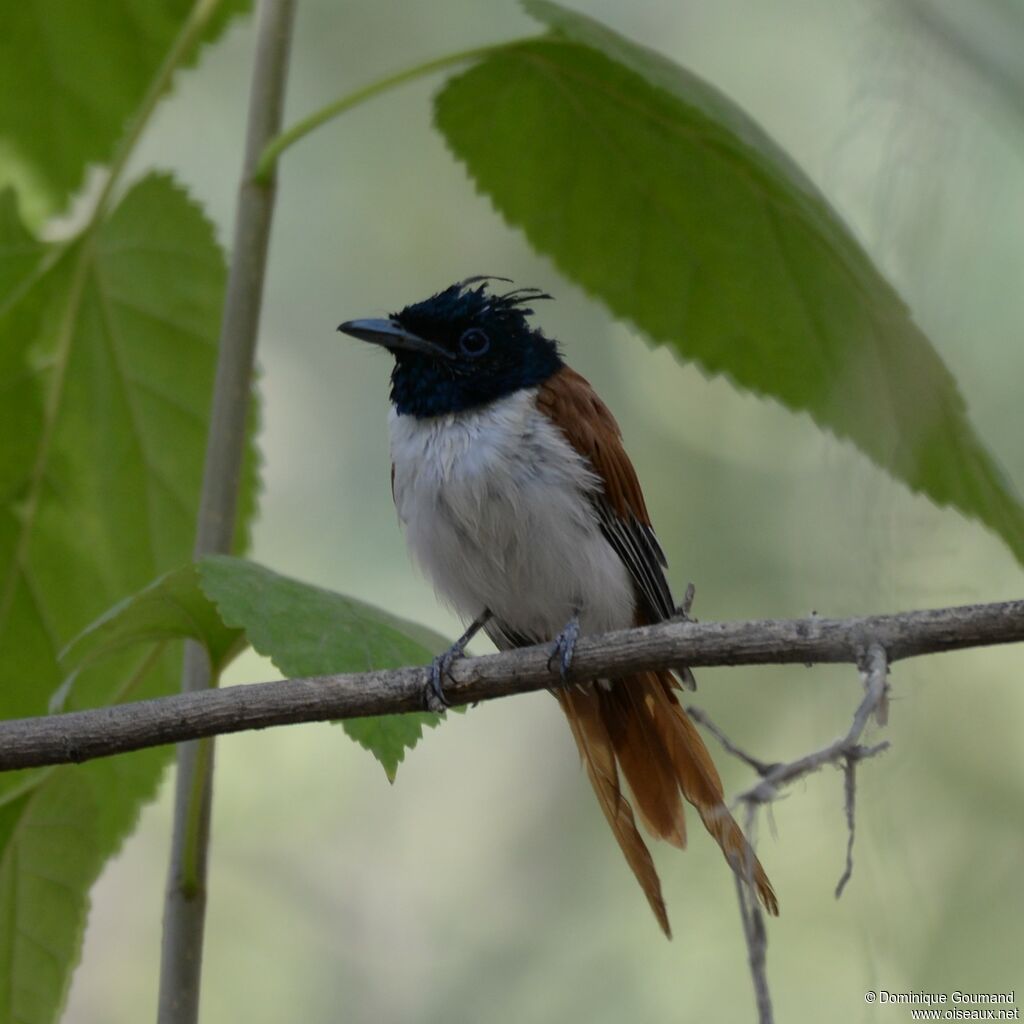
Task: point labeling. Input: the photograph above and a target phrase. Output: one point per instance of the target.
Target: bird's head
(462, 348)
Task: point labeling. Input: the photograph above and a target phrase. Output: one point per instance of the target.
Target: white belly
(495, 509)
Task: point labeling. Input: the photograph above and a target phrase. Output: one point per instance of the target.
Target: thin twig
(185, 905)
(847, 751)
(846, 747)
(850, 793)
(754, 930)
(876, 702)
(82, 735)
(762, 768)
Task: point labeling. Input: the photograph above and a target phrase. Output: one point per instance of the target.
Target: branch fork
(847, 752)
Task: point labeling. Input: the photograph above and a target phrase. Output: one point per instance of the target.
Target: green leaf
(306, 630)
(107, 355)
(170, 608)
(225, 602)
(109, 349)
(71, 75)
(55, 838)
(655, 193)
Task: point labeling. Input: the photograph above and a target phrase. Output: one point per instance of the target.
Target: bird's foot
(683, 612)
(686, 680)
(565, 647)
(433, 694)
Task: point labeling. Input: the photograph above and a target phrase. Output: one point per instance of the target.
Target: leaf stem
(187, 38)
(299, 130)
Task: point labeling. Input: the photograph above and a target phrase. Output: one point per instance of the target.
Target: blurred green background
(483, 885)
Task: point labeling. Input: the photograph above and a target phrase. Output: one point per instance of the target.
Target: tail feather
(583, 710)
(702, 787)
(639, 726)
(629, 716)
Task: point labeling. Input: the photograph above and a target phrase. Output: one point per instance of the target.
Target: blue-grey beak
(392, 336)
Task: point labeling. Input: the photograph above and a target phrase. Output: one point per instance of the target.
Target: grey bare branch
(83, 735)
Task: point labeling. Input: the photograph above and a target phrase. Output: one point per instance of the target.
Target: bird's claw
(686, 679)
(433, 694)
(565, 648)
(683, 610)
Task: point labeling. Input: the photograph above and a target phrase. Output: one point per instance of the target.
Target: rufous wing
(568, 400)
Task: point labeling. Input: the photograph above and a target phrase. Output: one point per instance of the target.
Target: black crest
(486, 348)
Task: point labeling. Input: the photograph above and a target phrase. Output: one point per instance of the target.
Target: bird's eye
(474, 342)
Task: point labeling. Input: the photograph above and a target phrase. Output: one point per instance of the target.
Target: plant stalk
(185, 904)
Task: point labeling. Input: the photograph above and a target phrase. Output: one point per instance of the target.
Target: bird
(519, 502)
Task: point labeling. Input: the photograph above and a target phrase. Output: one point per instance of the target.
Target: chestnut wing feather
(569, 401)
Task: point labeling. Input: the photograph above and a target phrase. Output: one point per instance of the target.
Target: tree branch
(83, 735)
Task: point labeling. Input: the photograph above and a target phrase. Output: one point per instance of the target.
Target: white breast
(494, 504)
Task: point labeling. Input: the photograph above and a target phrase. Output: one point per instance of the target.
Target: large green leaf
(306, 630)
(658, 195)
(224, 602)
(71, 74)
(107, 354)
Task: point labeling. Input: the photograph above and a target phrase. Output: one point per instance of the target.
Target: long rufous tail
(637, 725)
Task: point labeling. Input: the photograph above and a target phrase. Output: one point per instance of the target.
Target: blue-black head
(462, 348)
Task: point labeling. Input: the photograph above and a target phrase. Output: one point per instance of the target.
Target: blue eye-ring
(474, 342)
